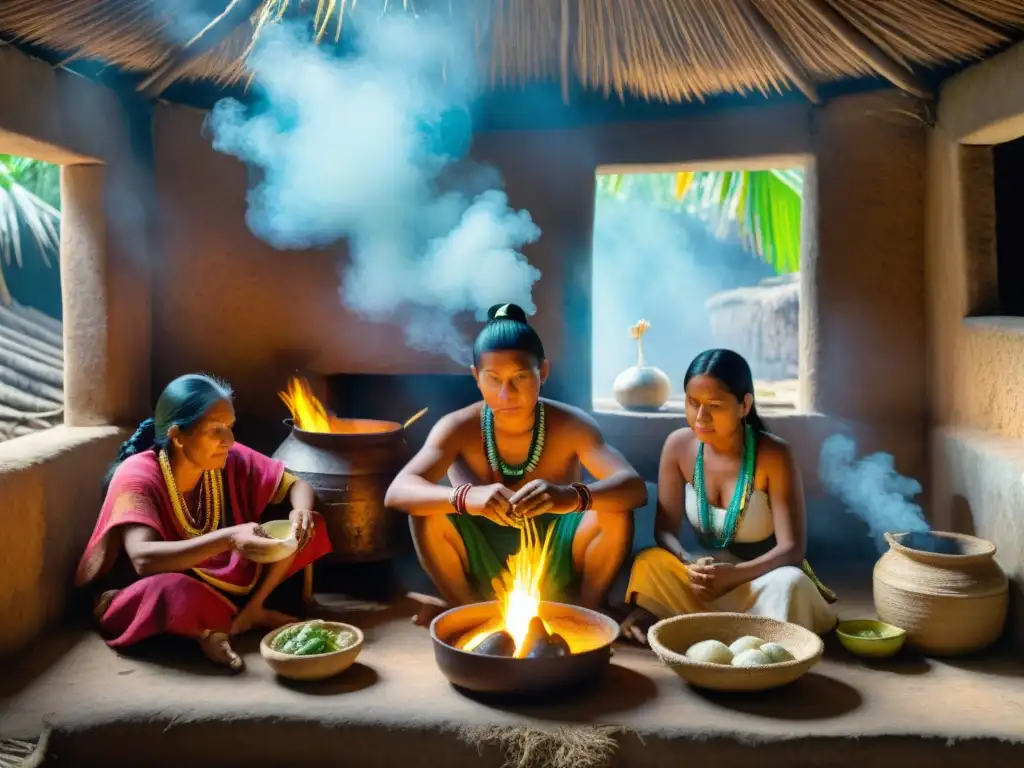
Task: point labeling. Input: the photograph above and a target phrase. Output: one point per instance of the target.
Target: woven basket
(671, 638)
(949, 604)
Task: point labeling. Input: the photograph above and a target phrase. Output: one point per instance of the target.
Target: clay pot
(350, 471)
(642, 388)
(951, 600)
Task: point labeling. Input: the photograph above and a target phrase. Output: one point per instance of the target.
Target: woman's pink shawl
(138, 495)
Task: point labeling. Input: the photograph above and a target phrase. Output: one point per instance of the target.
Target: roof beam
(867, 50)
(789, 63)
(234, 15)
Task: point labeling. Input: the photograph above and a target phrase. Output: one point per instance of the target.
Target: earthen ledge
(987, 445)
(38, 448)
(999, 323)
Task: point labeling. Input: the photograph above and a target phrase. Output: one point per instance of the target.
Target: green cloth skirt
(490, 545)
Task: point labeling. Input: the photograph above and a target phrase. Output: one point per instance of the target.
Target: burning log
(497, 644)
(541, 644)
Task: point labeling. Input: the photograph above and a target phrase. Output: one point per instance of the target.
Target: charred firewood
(497, 644)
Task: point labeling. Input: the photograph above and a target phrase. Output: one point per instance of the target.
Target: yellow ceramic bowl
(870, 638)
(318, 667)
(281, 530)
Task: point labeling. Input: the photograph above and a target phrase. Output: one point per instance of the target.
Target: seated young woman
(516, 456)
(180, 520)
(739, 488)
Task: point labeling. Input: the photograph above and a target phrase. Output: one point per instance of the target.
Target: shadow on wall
(662, 266)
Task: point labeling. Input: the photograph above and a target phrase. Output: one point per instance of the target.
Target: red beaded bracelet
(458, 498)
(584, 499)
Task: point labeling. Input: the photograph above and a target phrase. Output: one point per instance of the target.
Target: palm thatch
(31, 371)
(664, 50)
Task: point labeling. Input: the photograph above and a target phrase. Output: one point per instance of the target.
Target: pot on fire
(945, 589)
(350, 463)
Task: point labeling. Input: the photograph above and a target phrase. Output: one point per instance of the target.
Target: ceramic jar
(946, 591)
(642, 388)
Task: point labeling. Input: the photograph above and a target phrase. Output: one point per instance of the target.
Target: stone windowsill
(674, 409)
(1003, 323)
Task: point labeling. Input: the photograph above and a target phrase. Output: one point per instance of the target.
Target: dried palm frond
(666, 50)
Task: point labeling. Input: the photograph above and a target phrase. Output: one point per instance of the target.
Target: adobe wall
(230, 303)
(976, 365)
(49, 482)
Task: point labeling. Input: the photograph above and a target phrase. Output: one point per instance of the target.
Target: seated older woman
(739, 488)
(183, 507)
(515, 456)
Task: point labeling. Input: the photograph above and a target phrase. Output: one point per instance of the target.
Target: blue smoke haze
(369, 148)
(871, 488)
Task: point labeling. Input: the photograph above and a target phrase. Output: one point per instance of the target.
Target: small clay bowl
(318, 667)
(285, 542)
(880, 640)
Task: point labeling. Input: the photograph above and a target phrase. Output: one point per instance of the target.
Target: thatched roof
(667, 50)
(31, 371)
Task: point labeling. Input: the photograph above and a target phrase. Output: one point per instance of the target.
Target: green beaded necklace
(491, 445)
(744, 485)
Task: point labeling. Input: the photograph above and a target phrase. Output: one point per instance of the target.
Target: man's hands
(538, 497)
(504, 506)
(492, 502)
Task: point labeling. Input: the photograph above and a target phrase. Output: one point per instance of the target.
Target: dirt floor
(167, 707)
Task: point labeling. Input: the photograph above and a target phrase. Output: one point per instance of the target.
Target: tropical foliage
(761, 208)
(29, 205)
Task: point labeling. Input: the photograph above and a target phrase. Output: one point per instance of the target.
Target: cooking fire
(310, 415)
(519, 630)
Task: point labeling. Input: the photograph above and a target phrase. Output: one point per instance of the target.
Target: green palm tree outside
(763, 208)
(29, 205)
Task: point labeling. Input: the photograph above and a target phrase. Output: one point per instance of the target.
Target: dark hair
(732, 370)
(182, 403)
(507, 331)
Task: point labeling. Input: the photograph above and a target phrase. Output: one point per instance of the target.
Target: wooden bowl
(671, 638)
(319, 667)
(286, 543)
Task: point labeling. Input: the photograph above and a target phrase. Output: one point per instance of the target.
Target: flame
(308, 413)
(518, 591)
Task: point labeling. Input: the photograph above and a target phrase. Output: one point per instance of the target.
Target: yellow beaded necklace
(212, 493)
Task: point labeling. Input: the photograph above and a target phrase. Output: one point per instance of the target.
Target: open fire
(521, 630)
(310, 415)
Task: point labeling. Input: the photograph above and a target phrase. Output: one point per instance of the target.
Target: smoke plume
(871, 489)
(369, 147)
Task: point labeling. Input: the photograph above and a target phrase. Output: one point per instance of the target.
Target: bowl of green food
(312, 650)
(870, 638)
